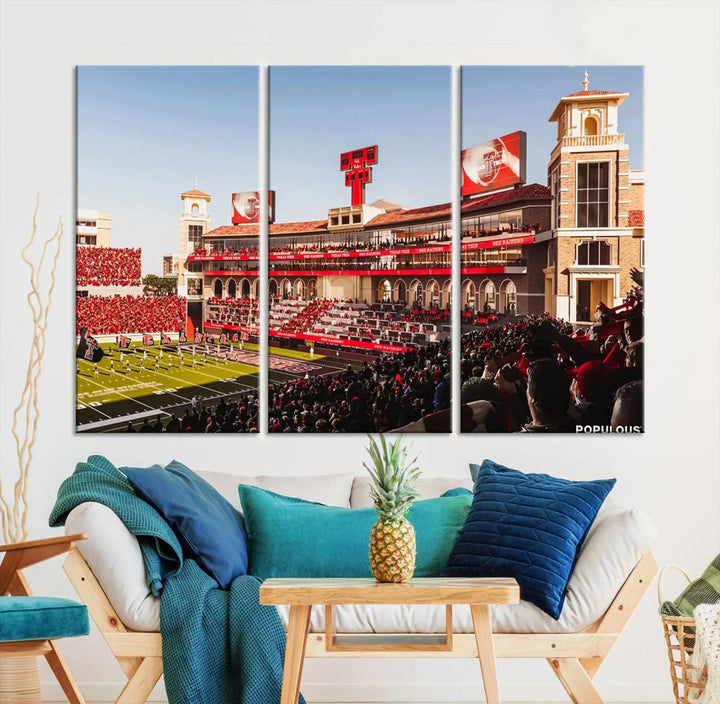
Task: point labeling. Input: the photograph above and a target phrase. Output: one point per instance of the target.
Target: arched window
(195, 210)
(595, 253)
(419, 293)
(401, 292)
(591, 126)
(245, 288)
(469, 293)
(218, 288)
(273, 288)
(490, 293)
(232, 289)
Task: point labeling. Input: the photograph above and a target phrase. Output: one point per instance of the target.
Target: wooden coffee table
(302, 594)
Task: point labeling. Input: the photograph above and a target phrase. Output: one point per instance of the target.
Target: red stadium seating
(111, 315)
(108, 266)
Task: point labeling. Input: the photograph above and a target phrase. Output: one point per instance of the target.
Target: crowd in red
(108, 266)
(427, 315)
(110, 315)
(233, 311)
(308, 315)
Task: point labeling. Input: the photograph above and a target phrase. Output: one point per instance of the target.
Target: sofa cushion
(113, 554)
(616, 541)
(526, 526)
(41, 617)
(290, 537)
(328, 489)
(210, 530)
(427, 488)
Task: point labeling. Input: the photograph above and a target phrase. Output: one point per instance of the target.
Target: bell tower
(194, 220)
(589, 165)
(594, 244)
(194, 223)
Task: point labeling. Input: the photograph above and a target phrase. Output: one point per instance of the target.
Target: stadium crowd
(538, 376)
(108, 315)
(307, 316)
(232, 311)
(236, 415)
(108, 266)
(392, 391)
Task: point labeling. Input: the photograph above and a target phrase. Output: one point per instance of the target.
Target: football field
(128, 386)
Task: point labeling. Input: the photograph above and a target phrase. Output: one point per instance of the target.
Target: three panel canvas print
(363, 229)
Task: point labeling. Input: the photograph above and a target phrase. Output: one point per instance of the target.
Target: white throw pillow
(328, 489)
(428, 488)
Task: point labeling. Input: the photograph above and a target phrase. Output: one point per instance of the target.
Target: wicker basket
(680, 640)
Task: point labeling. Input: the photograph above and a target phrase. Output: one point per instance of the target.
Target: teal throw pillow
(290, 537)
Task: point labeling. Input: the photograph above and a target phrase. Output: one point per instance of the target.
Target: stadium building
(526, 249)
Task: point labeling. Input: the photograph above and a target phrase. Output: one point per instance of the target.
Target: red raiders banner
(209, 338)
(198, 337)
(223, 338)
(493, 165)
(235, 337)
(124, 342)
(148, 340)
(164, 339)
(246, 207)
(244, 336)
(182, 336)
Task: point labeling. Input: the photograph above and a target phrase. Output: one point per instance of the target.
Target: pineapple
(392, 539)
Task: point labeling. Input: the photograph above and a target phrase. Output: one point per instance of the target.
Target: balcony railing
(594, 140)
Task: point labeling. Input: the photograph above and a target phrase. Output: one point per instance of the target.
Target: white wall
(671, 472)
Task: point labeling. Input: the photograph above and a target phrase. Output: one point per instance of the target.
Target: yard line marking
(129, 398)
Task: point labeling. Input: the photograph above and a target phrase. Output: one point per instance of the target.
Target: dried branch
(26, 415)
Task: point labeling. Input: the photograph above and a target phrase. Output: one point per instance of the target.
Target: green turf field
(149, 381)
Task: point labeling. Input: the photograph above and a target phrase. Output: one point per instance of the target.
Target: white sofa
(617, 544)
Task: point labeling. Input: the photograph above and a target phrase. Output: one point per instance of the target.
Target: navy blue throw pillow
(526, 526)
(209, 529)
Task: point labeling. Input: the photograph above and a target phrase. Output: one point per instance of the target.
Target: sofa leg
(576, 681)
(63, 676)
(139, 686)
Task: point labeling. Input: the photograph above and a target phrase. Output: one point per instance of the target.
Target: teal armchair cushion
(41, 618)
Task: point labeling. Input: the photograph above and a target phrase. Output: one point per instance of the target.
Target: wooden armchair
(30, 625)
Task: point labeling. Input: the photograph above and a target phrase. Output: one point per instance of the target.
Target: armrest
(21, 555)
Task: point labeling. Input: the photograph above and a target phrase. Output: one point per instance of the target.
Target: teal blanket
(219, 646)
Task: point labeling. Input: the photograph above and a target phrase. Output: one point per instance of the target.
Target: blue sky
(146, 133)
(497, 100)
(316, 113)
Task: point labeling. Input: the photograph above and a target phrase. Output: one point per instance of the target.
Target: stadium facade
(529, 249)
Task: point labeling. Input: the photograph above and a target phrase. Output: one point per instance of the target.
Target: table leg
(486, 651)
(298, 626)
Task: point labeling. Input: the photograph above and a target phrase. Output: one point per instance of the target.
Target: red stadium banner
(246, 207)
(493, 165)
(223, 339)
(244, 336)
(235, 337)
(358, 272)
(148, 340)
(124, 342)
(182, 336)
(164, 338)
(504, 242)
(329, 340)
(395, 252)
(198, 337)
